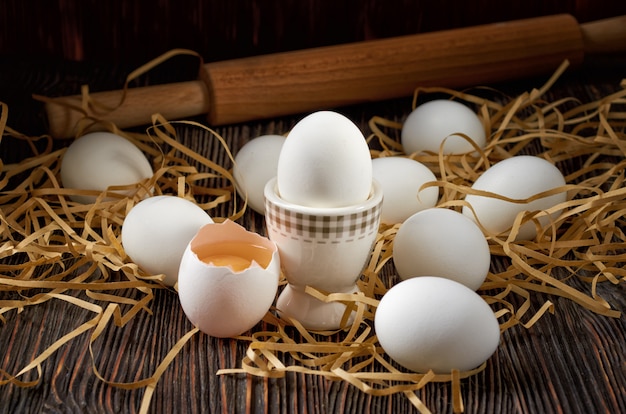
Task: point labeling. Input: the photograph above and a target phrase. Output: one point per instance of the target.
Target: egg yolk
(238, 256)
(235, 262)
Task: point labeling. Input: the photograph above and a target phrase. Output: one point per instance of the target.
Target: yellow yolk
(235, 262)
(238, 256)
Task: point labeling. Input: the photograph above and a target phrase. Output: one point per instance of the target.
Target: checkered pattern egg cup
(325, 248)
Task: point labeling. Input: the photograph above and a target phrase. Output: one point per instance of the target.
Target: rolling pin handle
(604, 36)
(173, 101)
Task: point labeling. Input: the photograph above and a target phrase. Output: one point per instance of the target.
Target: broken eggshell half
(228, 279)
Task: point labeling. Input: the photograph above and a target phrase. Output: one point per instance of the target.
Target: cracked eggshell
(228, 279)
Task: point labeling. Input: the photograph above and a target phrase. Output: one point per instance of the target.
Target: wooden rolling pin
(295, 82)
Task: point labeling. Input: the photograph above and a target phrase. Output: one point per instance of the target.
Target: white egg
(518, 177)
(442, 242)
(434, 323)
(255, 164)
(435, 121)
(228, 279)
(401, 179)
(156, 232)
(325, 162)
(99, 160)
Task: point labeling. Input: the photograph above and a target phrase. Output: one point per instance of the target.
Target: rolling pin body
(285, 83)
(328, 77)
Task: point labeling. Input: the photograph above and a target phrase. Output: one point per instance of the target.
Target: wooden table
(569, 362)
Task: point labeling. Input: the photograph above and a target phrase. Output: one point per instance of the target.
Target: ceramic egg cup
(324, 248)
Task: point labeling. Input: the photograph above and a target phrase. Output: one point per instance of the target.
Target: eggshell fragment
(519, 178)
(442, 242)
(255, 164)
(325, 162)
(228, 279)
(156, 232)
(426, 128)
(434, 323)
(99, 160)
(402, 179)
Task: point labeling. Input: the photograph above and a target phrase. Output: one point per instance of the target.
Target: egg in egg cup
(325, 248)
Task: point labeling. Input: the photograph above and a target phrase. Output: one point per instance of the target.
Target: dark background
(135, 31)
(570, 362)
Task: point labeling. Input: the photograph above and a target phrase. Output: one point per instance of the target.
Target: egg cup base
(311, 312)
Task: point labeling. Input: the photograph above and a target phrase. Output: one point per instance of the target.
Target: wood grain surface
(569, 362)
